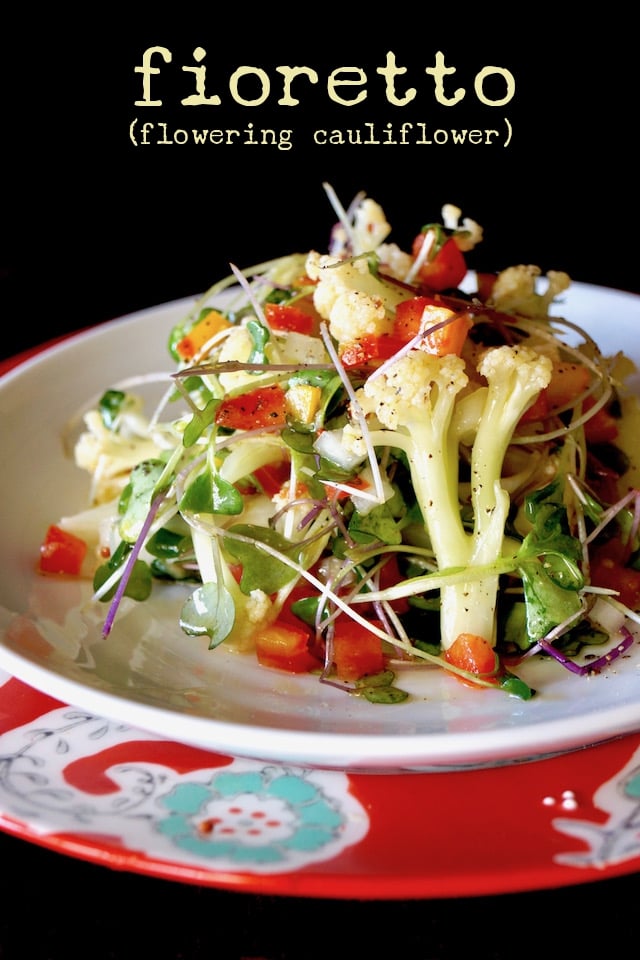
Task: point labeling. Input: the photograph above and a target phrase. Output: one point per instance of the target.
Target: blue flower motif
(252, 817)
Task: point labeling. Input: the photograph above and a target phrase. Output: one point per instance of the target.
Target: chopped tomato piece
(389, 577)
(264, 407)
(474, 654)
(62, 552)
(304, 280)
(284, 646)
(410, 319)
(447, 269)
(357, 652)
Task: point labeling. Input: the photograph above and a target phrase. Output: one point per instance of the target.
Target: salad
(369, 458)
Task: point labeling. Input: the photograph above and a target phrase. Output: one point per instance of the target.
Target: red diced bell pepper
(357, 652)
(285, 646)
(447, 269)
(448, 339)
(474, 654)
(272, 477)
(264, 407)
(369, 349)
(285, 316)
(62, 552)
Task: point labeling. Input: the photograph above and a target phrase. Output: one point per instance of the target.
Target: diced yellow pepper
(303, 401)
(203, 330)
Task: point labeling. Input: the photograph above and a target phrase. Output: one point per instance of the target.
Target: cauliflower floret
(355, 314)
(512, 369)
(258, 607)
(370, 226)
(362, 228)
(408, 383)
(394, 261)
(354, 301)
(515, 290)
(468, 233)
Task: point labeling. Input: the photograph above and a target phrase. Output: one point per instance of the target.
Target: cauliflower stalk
(411, 405)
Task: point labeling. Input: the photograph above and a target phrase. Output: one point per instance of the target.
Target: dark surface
(56, 908)
(94, 228)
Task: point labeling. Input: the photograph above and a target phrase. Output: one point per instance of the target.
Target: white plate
(149, 674)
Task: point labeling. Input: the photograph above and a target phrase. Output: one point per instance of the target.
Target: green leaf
(317, 378)
(169, 545)
(306, 609)
(547, 604)
(199, 422)
(210, 493)
(260, 336)
(137, 496)
(301, 442)
(262, 571)
(378, 524)
(549, 563)
(210, 611)
(139, 583)
(110, 405)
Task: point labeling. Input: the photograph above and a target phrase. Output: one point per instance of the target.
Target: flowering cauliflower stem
(414, 402)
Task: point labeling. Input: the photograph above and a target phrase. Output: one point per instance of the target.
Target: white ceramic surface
(149, 674)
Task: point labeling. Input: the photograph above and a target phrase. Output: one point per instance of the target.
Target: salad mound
(369, 458)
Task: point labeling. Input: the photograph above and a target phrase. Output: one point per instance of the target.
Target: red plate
(111, 794)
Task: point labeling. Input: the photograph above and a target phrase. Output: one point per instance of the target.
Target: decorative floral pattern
(260, 817)
(617, 840)
(267, 816)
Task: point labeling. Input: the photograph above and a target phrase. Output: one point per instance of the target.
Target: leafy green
(136, 498)
(261, 571)
(549, 563)
(260, 337)
(211, 493)
(199, 422)
(139, 583)
(210, 611)
(110, 406)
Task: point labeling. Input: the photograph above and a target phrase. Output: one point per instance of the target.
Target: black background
(94, 228)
